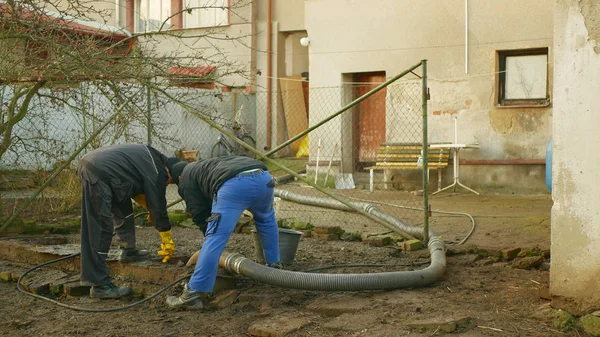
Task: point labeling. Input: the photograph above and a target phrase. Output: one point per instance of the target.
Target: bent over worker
(110, 176)
(217, 191)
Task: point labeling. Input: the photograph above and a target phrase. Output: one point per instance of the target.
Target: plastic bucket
(288, 245)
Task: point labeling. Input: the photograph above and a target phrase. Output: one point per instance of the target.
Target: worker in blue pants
(216, 192)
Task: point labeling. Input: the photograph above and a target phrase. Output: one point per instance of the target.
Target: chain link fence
(339, 154)
(341, 157)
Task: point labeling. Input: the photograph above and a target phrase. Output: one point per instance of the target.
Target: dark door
(369, 121)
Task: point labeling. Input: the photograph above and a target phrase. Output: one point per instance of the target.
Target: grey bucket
(288, 245)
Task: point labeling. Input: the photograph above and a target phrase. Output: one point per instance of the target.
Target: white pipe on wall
(466, 36)
(117, 14)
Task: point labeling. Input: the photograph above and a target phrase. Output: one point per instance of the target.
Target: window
(205, 13)
(523, 78)
(151, 14)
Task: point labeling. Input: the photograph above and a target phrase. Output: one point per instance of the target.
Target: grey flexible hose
(434, 211)
(341, 282)
(344, 282)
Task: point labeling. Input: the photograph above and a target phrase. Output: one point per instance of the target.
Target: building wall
(400, 33)
(575, 271)
(289, 13)
(233, 41)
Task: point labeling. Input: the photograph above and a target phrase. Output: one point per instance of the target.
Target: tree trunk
(13, 119)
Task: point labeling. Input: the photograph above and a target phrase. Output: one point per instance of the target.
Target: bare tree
(53, 57)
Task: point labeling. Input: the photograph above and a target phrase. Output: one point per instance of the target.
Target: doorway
(369, 119)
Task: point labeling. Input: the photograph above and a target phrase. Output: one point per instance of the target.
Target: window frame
(185, 17)
(503, 102)
(138, 16)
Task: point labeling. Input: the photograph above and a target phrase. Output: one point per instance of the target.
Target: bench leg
(371, 181)
(439, 179)
(385, 179)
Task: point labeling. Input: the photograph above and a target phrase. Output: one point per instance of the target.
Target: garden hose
(72, 307)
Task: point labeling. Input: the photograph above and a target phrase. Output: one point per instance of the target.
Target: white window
(523, 77)
(151, 15)
(205, 13)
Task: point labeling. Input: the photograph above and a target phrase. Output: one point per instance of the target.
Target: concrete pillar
(575, 250)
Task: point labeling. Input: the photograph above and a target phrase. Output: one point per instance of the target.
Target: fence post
(425, 97)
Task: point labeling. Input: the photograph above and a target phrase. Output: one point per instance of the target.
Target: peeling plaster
(505, 121)
(454, 111)
(591, 19)
(516, 129)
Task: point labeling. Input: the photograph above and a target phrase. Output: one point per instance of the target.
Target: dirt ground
(496, 298)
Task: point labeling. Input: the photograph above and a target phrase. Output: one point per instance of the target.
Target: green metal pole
(425, 97)
(350, 105)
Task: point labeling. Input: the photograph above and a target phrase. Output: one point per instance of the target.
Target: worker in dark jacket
(216, 192)
(110, 176)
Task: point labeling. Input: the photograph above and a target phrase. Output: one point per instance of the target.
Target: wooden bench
(405, 156)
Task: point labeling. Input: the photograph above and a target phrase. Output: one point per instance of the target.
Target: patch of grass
(291, 163)
(321, 180)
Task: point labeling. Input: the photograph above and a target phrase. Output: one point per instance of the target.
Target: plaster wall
(97, 11)
(400, 33)
(228, 47)
(575, 245)
(289, 13)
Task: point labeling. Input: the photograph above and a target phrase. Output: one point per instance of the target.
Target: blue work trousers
(252, 191)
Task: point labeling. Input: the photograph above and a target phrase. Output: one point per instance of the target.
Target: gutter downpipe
(269, 72)
(466, 36)
(117, 14)
(238, 264)
(129, 15)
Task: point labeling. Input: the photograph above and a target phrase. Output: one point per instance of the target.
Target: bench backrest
(407, 155)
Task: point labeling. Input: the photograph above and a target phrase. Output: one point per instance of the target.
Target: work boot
(132, 255)
(109, 291)
(188, 299)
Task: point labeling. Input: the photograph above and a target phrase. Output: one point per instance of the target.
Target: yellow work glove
(141, 200)
(167, 246)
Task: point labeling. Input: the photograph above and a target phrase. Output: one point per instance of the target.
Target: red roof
(192, 71)
(65, 22)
